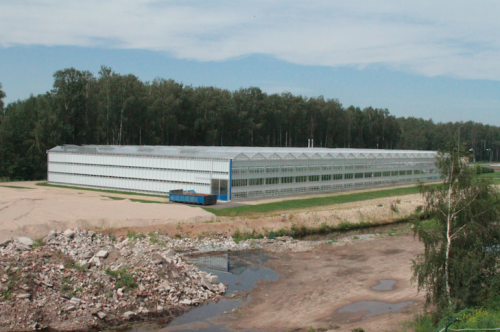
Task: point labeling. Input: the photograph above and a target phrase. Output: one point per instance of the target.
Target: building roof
(243, 152)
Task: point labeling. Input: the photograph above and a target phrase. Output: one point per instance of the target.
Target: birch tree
(461, 238)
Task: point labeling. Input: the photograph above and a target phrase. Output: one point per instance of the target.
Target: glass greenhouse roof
(242, 153)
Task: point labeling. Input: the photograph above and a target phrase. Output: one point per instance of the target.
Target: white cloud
(447, 37)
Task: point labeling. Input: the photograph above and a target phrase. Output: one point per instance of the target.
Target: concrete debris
(25, 240)
(102, 254)
(5, 243)
(81, 278)
(213, 279)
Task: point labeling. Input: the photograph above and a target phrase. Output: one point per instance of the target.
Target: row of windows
(315, 178)
(140, 168)
(325, 188)
(128, 178)
(316, 168)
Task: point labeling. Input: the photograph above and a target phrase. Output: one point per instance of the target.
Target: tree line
(112, 108)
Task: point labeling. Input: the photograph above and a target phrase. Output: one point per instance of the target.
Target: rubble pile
(84, 279)
(79, 279)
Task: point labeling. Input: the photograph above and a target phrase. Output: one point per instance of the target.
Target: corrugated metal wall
(150, 174)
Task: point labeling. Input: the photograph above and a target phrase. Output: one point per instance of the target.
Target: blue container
(180, 196)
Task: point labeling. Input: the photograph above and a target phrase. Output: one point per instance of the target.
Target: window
(287, 169)
(409, 172)
(337, 176)
(287, 179)
(368, 175)
(256, 170)
(255, 182)
(402, 172)
(327, 167)
(301, 179)
(387, 173)
(272, 180)
(313, 177)
(349, 176)
(272, 169)
(301, 168)
(239, 182)
(377, 174)
(359, 166)
(349, 166)
(326, 177)
(315, 168)
(242, 170)
(358, 175)
(394, 173)
(338, 167)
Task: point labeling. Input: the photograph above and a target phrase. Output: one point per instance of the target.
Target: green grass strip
(45, 184)
(17, 187)
(312, 202)
(145, 201)
(115, 198)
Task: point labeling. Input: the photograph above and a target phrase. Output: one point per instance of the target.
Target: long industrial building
(236, 173)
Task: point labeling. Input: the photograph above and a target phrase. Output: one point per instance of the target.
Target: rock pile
(85, 279)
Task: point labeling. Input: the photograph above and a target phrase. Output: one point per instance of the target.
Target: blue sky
(425, 59)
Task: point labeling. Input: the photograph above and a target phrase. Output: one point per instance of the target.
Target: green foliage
(111, 108)
(134, 235)
(296, 204)
(459, 267)
(38, 243)
(123, 278)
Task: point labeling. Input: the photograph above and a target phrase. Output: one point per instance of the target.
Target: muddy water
(374, 308)
(240, 271)
(385, 285)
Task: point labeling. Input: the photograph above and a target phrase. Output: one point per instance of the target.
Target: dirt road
(321, 282)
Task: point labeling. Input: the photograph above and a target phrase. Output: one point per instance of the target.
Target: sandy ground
(319, 283)
(35, 212)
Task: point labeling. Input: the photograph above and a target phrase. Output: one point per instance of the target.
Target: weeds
(38, 243)
(133, 235)
(124, 279)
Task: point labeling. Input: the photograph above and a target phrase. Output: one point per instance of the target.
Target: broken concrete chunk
(129, 314)
(70, 308)
(87, 255)
(101, 315)
(222, 288)
(69, 233)
(52, 235)
(25, 240)
(185, 302)
(23, 296)
(5, 243)
(102, 254)
(213, 279)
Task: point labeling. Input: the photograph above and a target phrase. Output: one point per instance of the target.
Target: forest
(112, 108)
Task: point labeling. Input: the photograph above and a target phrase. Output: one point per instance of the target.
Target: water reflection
(240, 271)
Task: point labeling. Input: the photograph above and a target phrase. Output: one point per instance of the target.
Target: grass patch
(124, 279)
(135, 236)
(45, 184)
(38, 243)
(146, 201)
(16, 187)
(115, 198)
(312, 202)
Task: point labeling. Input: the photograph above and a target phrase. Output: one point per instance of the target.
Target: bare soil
(318, 283)
(34, 212)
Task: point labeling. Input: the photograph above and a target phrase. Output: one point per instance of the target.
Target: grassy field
(311, 202)
(494, 176)
(17, 187)
(45, 184)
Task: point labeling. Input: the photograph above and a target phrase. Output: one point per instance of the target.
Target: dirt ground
(320, 282)
(34, 212)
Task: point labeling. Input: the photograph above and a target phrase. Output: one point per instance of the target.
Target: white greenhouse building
(236, 173)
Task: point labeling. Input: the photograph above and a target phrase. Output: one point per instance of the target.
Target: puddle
(240, 271)
(374, 308)
(385, 285)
